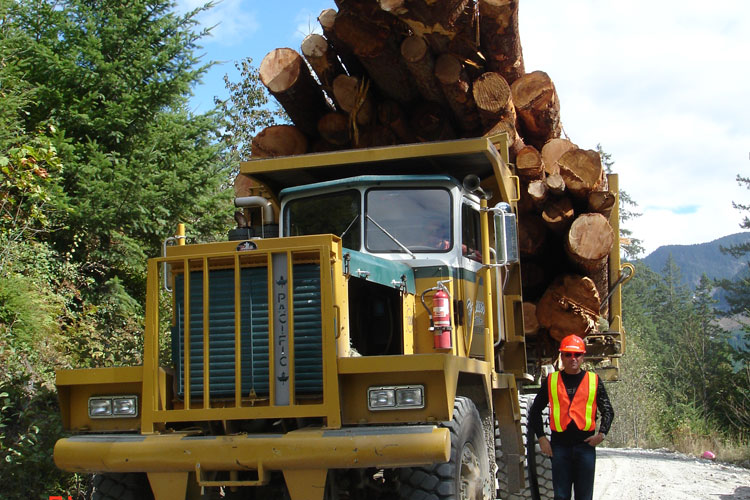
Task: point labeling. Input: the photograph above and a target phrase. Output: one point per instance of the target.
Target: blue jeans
(573, 467)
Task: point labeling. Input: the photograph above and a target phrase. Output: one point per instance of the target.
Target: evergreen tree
(114, 78)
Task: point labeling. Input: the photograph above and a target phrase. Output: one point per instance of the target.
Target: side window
(471, 235)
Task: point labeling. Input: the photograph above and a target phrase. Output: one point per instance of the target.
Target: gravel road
(657, 474)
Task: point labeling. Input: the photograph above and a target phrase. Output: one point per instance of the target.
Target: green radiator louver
(306, 314)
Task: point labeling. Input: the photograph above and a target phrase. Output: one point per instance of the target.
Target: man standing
(574, 396)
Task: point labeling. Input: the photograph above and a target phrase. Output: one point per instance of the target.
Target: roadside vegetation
(101, 158)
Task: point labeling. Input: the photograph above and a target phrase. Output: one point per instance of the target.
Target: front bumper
(382, 446)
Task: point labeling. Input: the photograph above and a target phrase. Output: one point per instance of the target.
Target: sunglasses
(572, 354)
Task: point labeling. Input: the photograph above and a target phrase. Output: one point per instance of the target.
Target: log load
(454, 80)
(552, 151)
(448, 26)
(588, 244)
(582, 171)
(537, 107)
(493, 97)
(529, 164)
(334, 129)
(378, 49)
(287, 78)
(500, 39)
(570, 305)
(345, 53)
(421, 64)
(279, 140)
(392, 116)
(323, 61)
(353, 97)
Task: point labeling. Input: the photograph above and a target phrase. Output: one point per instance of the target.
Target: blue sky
(662, 85)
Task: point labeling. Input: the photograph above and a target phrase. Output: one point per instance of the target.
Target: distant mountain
(703, 258)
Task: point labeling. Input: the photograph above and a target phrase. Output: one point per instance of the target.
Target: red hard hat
(572, 343)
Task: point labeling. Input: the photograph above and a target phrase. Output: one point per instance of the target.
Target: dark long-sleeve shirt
(572, 434)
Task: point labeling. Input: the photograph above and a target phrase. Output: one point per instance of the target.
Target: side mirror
(506, 234)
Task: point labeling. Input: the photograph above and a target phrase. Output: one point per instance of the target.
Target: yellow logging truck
(361, 338)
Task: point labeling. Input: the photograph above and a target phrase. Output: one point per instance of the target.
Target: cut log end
(280, 69)
(279, 140)
(590, 240)
(569, 306)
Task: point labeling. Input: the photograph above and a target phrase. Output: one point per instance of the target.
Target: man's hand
(545, 446)
(594, 440)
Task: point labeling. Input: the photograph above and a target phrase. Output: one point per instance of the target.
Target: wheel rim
(471, 475)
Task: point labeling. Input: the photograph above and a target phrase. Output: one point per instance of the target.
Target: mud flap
(307, 484)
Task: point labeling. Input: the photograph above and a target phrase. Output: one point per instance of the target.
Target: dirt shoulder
(659, 474)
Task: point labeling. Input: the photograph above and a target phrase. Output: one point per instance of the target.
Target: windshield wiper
(356, 217)
(393, 238)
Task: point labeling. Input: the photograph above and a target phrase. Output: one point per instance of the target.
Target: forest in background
(101, 157)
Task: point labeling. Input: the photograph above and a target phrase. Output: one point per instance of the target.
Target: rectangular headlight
(380, 398)
(113, 406)
(398, 397)
(126, 406)
(100, 407)
(410, 397)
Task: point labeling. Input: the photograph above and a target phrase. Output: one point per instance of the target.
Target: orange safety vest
(582, 410)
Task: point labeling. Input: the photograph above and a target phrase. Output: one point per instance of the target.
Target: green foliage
(245, 112)
(678, 376)
(114, 77)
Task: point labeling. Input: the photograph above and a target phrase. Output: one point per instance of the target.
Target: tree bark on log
(354, 98)
(375, 136)
(537, 107)
(430, 122)
(601, 202)
(552, 151)
(532, 234)
(278, 140)
(455, 83)
(327, 20)
(500, 38)
(589, 241)
(582, 171)
(569, 306)
(323, 61)
(377, 48)
(529, 164)
(493, 97)
(392, 116)
(558, 214)
(448, 27)
(287, 78)
(334, 128)
(515, 142)
(421, 64)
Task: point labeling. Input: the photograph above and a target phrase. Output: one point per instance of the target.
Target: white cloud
(661, 85)
(233, 21)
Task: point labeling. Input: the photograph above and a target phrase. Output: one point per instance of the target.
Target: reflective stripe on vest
(582, 410)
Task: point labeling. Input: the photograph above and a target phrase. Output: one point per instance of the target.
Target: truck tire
(131, 486)
(543, 463)
(466, 475)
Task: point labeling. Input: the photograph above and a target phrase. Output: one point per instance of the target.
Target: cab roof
(483, 156)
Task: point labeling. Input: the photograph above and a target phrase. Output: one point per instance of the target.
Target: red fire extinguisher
(441, 319)
(440, 315)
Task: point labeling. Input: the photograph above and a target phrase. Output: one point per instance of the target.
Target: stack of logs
(388, 72)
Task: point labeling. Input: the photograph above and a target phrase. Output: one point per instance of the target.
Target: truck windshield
(420, 219)
(334, 213)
